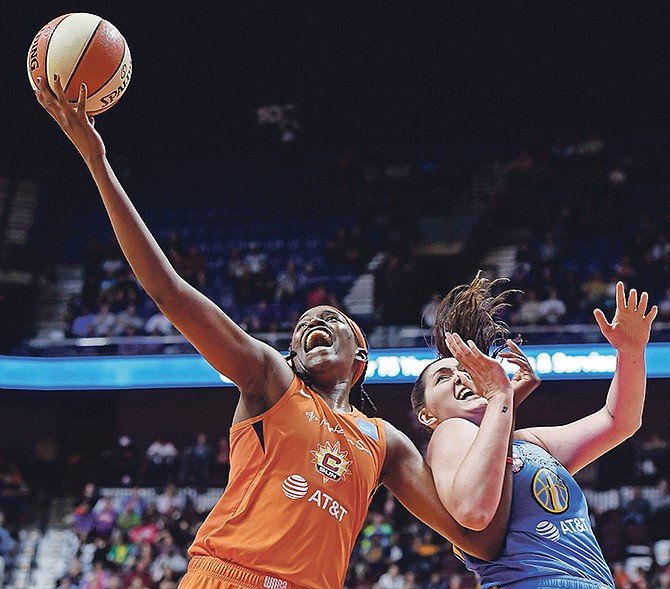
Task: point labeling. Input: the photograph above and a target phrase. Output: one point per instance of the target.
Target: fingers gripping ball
(82, 48)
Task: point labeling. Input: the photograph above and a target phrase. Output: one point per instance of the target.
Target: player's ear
(427, 419)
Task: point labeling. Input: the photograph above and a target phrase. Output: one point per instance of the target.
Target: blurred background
(369, 156)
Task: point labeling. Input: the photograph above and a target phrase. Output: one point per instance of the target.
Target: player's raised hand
(630, 328)
(73, 120)
(487, 376)
(525, 379)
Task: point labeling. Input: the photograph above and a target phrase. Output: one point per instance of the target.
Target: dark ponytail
(472, 311)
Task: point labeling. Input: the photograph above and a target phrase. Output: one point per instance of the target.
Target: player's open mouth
(316, 338)
(463, 394)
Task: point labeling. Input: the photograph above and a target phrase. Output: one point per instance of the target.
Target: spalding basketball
(82, 48)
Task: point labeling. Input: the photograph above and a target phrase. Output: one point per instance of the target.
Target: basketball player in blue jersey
(549, 541)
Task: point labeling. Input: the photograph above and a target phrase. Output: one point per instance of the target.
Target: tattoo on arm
(504, 409)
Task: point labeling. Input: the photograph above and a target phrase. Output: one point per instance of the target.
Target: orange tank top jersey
(301, 481)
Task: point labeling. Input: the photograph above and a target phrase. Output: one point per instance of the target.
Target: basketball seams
(81, 56)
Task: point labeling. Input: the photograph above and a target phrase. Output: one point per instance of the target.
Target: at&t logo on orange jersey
(331, 462)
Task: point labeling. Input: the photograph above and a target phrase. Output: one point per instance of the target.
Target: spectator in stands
(168, 579)
(98, 578)
(104, 519)
(637, 509)
(660, 511)
(7, 543)
(653, 459)
(170, 501)
(660, 250)
(552, 309)
(437, 582)
(125, 292)
(328, 362)
(624, 269)
(391, 579)
(129, 518)
(128, 322)
(424, 552)
(161, 458)
(661, 501)
(110, 277)
(548, 249)
(594, 290)
(530, 310)
(664, 306)
(105, 320)
(254, 258)
(89, 496)
(196, 463)
(84, 322)
(168, 555)
(235, 265)
(286, 283)
(429, 311)
(139, 576)
(120, 549)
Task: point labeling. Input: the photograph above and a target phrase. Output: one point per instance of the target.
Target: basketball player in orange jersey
(305, 464)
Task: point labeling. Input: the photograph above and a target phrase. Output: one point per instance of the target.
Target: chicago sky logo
(550, 491)
(331, 462)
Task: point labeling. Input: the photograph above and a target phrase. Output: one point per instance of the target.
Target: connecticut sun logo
(331, 462)
(550, 491)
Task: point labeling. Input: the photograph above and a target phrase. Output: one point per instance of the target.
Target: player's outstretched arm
(249, 363)
(407, 475)
(577, 444)
(469, 460)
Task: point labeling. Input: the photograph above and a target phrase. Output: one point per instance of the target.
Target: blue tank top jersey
(549, 541)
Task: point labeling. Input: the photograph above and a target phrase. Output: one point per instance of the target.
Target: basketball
(82, 48)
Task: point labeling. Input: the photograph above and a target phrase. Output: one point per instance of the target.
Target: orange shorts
(207, 572)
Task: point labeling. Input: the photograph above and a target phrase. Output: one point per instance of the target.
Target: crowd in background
(136, 517)
(586, 212)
